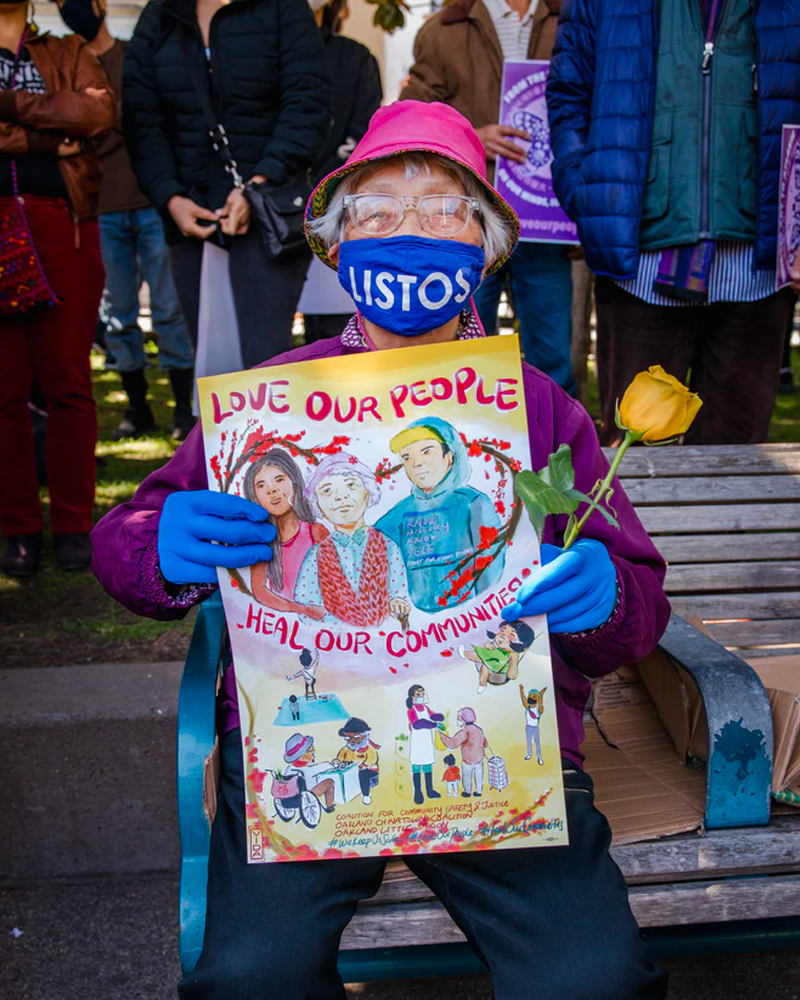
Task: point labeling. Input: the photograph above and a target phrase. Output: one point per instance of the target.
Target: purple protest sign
(528, 186)
(788, 204)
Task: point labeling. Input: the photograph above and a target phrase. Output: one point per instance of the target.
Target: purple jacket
(126, 559)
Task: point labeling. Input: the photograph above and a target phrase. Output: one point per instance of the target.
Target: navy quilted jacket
(600, 99)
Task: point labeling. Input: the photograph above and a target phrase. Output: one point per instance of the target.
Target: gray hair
(370, 485)
(329, 227)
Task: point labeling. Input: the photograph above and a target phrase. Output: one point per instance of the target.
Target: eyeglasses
(438, 214)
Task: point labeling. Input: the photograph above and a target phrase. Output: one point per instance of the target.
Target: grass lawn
(59, 619)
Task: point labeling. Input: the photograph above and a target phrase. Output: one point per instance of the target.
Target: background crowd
(665, 127)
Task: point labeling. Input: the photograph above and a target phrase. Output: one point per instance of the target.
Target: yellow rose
(657, 407)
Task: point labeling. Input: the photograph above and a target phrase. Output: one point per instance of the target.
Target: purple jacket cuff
(153, 583)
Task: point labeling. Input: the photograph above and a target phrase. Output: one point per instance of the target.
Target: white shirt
(513, 31)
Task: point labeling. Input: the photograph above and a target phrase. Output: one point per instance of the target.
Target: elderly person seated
(412, 226)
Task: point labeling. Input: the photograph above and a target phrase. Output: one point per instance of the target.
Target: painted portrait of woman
(275, 483)
(357, 573)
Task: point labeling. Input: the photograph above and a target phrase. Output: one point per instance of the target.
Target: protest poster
(528, 186)
(788, 205)
(386, 707)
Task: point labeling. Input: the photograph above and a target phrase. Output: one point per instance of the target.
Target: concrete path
(116, 939)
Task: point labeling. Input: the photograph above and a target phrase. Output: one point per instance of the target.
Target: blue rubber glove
(576, 589)
(192, 519)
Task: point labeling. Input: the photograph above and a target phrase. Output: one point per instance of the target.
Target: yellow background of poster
(352, 407)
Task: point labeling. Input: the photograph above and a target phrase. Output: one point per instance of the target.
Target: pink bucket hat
(416, 127)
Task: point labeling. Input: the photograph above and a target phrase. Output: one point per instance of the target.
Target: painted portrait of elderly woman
(357, 574)
(275, 483)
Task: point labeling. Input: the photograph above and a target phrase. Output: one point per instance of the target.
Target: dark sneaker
(73, 550)
(184, 422)
(134, 424)
(22, 554)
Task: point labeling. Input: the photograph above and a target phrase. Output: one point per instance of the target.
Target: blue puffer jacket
(600, 97)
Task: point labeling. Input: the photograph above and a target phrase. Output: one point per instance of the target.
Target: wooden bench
(727, 519)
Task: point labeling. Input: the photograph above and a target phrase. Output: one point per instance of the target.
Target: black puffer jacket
(272, 94)
(357, 95)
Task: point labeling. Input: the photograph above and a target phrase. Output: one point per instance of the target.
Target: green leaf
(559, 472)
(549, 491)
(552, 491)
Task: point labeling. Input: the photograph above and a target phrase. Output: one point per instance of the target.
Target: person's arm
(398, 578)
(262, 593)
(304, 118)
(16, 140)
(83, 111)
(570, 85)
(426, 79)
(147, 135)
(111, 141)
(453, 742)
(368, 97)
(420, 721)
(522, 697)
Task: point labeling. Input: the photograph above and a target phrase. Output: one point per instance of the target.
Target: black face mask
(79, 16)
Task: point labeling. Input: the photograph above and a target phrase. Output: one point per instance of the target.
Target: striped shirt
(732, 278)
(513, 31)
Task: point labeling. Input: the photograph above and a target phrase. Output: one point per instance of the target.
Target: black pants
(266, 293)
(552, 923)
(733, 350)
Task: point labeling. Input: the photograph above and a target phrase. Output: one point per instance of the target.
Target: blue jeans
(134, 250)
(541, 285)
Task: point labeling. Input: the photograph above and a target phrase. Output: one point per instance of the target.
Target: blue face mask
(409, 284)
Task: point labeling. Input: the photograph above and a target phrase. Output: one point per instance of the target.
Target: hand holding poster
(528, 186)
(789, 206)
(386, 707)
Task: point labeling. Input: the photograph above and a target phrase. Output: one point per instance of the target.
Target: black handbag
(276, 210)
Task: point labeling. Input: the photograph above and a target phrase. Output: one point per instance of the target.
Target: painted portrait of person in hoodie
(438, 524)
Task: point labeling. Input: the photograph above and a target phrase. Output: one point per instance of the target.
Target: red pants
(52, 344)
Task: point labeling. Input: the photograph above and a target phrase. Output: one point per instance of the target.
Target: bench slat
(755, 898)
(709, 460)
(724, 853)
(764, 633)
(713, 520)
(733, 577)
(725, 489)
(722, 549)
(653, 906)
(714, 607)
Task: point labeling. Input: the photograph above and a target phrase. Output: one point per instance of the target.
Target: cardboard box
(640, 783)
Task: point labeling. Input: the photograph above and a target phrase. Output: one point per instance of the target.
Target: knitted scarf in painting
(371, 604)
